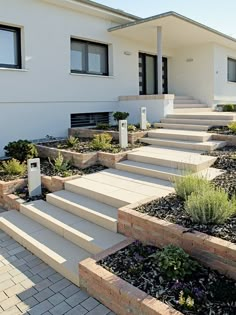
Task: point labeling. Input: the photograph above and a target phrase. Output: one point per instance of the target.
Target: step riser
(191, 110)
(172, 164)
(179, 137)
(183, 127)
(146, 172)
(191, 106)
(114, 202)
(61, 230)
(201, 117)
(196, 122)
(186, 101)
(90, 216)
(197, 147)
(35, 249)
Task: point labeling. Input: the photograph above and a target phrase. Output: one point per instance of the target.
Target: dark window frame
(234, 60)
(17, 31)
(87, 43)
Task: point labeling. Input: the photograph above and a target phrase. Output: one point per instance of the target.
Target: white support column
(159, 60)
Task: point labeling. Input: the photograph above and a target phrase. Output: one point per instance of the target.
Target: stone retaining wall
(211, 251)
(89, 133)
(118, 295)
(231, 139)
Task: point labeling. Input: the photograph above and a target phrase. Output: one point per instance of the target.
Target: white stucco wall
(224, 91)
(38, 100)
(191, 72)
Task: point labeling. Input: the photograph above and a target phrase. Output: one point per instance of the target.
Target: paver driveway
(29, 286)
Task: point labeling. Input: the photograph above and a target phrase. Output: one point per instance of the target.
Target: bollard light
(34, 177)
(143, 118)
(123, 133)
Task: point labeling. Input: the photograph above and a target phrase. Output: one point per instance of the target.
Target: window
(10, 47)
(89, 119)
(88, 57)
(231, 70)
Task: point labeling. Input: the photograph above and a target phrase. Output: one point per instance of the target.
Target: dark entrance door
(148, 74)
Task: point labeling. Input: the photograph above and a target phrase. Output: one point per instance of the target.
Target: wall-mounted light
(127, 53)
(189, 60)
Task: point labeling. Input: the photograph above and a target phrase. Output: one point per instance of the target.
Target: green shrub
(132, 128)
(60, 166)
(210, 206)
(186, 185)
(232, 126)
(101, 142)
(21, 150)
(229, 108)
(72, 142)
(102, 126)
(13, 167)
(149, 125)
(174, 263)
(120, 116)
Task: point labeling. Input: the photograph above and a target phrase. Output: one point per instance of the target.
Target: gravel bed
(23, 193)
(221, 130)
(85, 146)
(171, 207)
(212, 293)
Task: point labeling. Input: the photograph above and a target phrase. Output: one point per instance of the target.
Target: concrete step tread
(178, 132)
(184, 127)
(74, 228)
(197, 121)
(57, 252)
(210, 115)
(186, 105)
(86, 208)
(169, 141)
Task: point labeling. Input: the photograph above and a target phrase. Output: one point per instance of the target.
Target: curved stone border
(115, 293)
(230, 139)
(214, 252)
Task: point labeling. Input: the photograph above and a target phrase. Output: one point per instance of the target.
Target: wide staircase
(81, 220)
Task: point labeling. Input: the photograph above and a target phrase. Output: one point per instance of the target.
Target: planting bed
(222, 130)
(23, 194)
(207, 291)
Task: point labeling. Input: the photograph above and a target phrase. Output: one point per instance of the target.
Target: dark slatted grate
(89, 119)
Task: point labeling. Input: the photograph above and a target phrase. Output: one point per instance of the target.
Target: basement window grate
(89, 119)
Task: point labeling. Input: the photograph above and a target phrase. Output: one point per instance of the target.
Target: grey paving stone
(78, 310)
(99, 310)
(55, 277)
(56, 299)
(60, 285)
(42, 285)
(35, 262)
(27, 304)
(77, 298)
(70, 290)
(41, 308)
(46, 273)
(27, 293)
(90, 304)
(60, 309)
(44, 295)
(38, 268)
(23, 254)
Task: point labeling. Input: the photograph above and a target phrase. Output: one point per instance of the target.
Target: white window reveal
(231, 70)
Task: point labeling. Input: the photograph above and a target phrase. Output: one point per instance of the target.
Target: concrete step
(179, 97)
(186, 101)
(184, 127)
(182, 106)
(184, 161)
(118, 188)
(181, 144)
(162, 172)
(199, 136)
(192, 110)
(75, 229)
(192, 121)
(204, 116)
(57, 252)
(86, 208)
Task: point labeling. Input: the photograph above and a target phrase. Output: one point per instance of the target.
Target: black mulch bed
(222, 130)
(213, 294)
(84, 146)
(48, 170)
(171, 207)
(23, 193)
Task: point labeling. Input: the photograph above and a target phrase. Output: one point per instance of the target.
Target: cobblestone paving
(29, 286)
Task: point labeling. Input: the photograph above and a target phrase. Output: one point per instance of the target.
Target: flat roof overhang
(178, 31)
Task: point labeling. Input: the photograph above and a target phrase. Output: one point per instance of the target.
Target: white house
(70, 63)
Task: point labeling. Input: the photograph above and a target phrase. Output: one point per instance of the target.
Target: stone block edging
(117, 294)
(230, 139)
(90, 133)
(211, 251)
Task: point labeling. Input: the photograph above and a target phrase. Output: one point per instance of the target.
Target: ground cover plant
(208, 207)
(224, 130)
(174, 278)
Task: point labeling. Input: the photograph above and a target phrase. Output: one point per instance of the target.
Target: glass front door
(148, 74)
